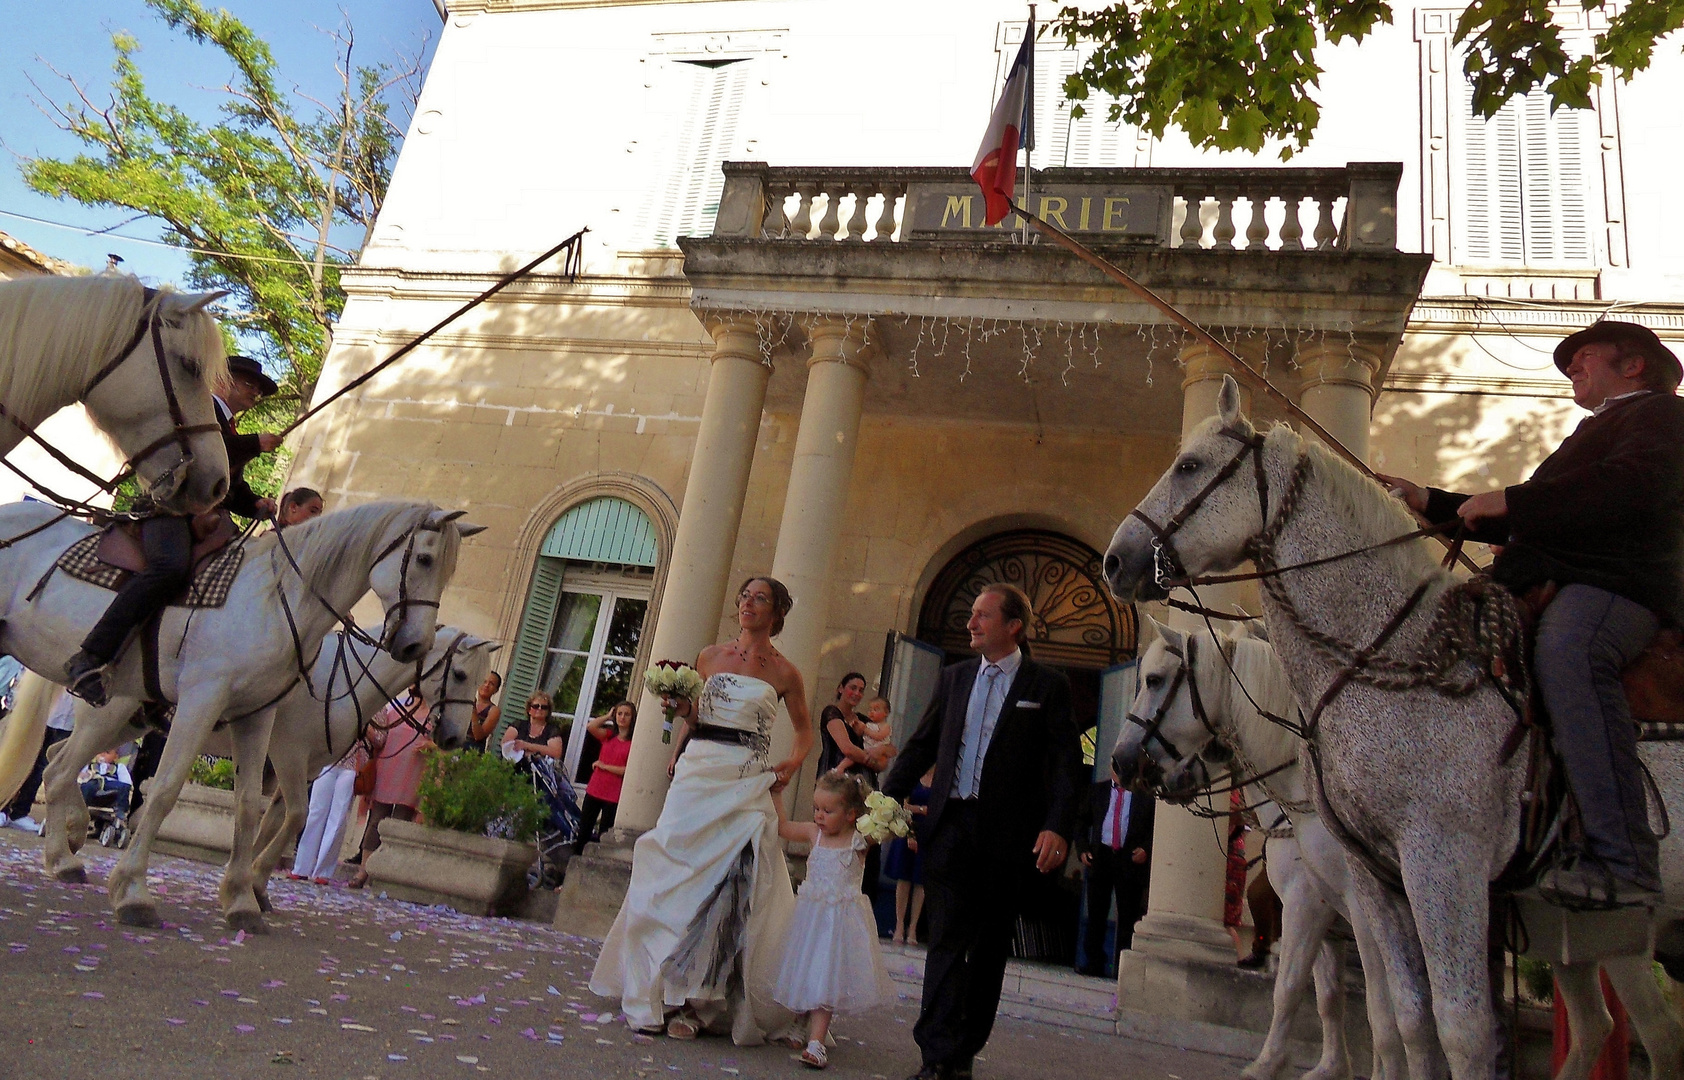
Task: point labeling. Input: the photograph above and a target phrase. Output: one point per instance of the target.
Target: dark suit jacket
(1143, 814)
(241, 499)
(1606, 509)
(1029, 773)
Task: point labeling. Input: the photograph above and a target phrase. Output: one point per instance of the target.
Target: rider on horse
(1602, 519)
(167, 539)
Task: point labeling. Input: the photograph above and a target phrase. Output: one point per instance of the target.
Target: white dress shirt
(1114, 830)
(988, 697)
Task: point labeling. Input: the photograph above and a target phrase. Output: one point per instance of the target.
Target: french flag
(1009, 129)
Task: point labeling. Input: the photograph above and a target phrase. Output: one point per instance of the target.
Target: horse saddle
(110, 557)
(1654, 682)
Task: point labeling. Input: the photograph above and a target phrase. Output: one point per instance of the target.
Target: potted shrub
(473, 844)
(201, 825)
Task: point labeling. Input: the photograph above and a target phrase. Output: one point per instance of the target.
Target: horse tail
(23, 730)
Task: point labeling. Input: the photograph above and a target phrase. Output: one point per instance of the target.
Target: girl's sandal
(814, 1056)
(684, 1027)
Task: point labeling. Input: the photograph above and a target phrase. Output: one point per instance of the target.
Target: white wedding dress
(703, 922)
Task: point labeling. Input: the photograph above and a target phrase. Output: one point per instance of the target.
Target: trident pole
(1251, 375)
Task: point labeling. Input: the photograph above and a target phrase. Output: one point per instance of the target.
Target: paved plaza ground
(350, 986)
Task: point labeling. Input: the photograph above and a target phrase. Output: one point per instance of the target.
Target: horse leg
(201, 706)
(283, 818)
(1395, 972)
(64, 829)
(1580, 987)
(1335, 1063)
(1633, 979)
(1306, 918)
(1451, 919)
(251, 751)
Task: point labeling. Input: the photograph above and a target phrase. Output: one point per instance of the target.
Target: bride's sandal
(684, 1027)
(814, 1056)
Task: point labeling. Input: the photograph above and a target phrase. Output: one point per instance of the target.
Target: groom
(1002, 807)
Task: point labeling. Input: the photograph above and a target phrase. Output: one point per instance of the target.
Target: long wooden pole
(1252, 375)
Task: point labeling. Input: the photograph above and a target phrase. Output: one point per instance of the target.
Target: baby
(877, 731)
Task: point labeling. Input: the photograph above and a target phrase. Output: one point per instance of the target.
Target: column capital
(1338, 362)
(736, 336)
(839, 339)
(1201, 363)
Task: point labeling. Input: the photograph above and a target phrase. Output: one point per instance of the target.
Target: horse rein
(443, 666)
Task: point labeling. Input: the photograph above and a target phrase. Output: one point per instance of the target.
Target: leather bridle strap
(1153, 726)
(1363, 656)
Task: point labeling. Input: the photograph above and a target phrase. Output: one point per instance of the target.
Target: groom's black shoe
(83, 679)
(959, 1071)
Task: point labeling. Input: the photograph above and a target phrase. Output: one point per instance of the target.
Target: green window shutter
(605, 530)
(526, 666)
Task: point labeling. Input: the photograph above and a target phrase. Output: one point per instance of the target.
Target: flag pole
(1248, 373)
(1029, 125)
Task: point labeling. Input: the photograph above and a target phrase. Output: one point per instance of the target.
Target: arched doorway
(1080, 629)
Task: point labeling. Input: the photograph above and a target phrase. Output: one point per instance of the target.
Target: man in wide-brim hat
(1602, 520)
(167, 539)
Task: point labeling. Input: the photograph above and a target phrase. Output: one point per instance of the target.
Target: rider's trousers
(168, 543)
(1585, 639)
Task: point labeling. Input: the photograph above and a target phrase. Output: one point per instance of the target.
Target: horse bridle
(180, 432)
(1183, 676)
(445, 664)
(1167, 569)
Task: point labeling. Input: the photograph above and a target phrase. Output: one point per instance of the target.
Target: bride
(695, 944)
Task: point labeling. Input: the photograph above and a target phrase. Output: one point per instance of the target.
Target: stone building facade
(794, 349)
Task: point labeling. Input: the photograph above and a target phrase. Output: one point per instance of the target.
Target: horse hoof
(75, 875)
(263, 903)
(248, 921)
(140, 915)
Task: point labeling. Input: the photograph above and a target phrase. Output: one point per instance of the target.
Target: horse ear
(1169, 634)
(1228, 401)
(490, 646)
(466, 529)
(192, 302)
(1256, 629)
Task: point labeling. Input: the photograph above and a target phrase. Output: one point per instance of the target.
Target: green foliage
(276, 182)
(1537, 982)
(477, 793)
(216, 772)
(1234, 74)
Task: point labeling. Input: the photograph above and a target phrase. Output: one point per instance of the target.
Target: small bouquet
(672, 679)
(883, 818)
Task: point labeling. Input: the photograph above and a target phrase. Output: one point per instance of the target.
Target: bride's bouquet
(671, 679)
(883, 818)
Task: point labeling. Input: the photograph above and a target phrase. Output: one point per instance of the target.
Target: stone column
(1184, 913)
(1336, 387)
(703, 546)
(819, 478)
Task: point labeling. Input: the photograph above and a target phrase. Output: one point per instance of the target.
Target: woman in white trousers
(324, 830)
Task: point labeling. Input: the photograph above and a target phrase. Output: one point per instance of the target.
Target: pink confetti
(196, 1001)
(231, 993)
(173, 1022)
(340, 997)
(95, 995)
(71, 949)
(272, 983)
(529, 1033)
(244, 1029)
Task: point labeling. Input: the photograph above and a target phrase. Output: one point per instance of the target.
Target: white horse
(143, 362)
(235, 661)
(352, 682)
(1234, 731)
(312, 729)
(1416, 778)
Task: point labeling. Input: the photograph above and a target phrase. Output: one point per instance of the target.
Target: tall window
(1525, 196)
(584, 618)
(710, 95)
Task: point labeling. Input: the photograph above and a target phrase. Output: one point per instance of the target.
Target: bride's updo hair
(781, 600)
(851, 788)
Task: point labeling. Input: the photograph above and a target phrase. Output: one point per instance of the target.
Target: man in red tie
(1114, 842)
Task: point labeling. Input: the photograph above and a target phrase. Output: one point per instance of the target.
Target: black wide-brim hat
(1614, 332)
(251, 369)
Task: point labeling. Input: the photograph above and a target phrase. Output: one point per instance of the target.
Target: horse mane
(1259, 670)
(355, 534)
(1354, 498)
(56, 333)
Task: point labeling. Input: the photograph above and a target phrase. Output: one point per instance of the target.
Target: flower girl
(831, 960)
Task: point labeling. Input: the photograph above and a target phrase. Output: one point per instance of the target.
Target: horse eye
(1154, 681)
(423, 560)
(1187, 466)
(459, 676)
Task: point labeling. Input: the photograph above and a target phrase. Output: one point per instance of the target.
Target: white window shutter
(707, 101)
(1554, 183)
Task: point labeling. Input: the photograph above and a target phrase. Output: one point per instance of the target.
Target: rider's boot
(85, 678)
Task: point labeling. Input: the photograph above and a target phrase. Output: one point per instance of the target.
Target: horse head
(155, 402)
(1169, 742)
(416, 561)
(450, 678)
(1199, 516)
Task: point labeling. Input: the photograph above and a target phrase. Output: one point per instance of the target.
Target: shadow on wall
(1466, 442)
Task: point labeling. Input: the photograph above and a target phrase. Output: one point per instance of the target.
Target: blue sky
(75, 37)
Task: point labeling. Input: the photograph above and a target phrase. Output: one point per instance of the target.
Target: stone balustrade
(1353, 208)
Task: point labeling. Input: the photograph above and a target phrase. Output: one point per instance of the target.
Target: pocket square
(1029, 704)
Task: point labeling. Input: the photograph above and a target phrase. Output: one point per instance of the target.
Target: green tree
(1234, 74)
(270, 201)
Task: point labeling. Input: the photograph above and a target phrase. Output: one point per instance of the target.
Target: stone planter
(475, 875)
(201, 826)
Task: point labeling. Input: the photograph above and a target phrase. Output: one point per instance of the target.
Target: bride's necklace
(746, 656)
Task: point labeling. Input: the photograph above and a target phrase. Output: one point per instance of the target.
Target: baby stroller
(556, 835)
(108, 809)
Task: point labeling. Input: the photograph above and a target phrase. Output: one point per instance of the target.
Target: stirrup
(87, 683)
